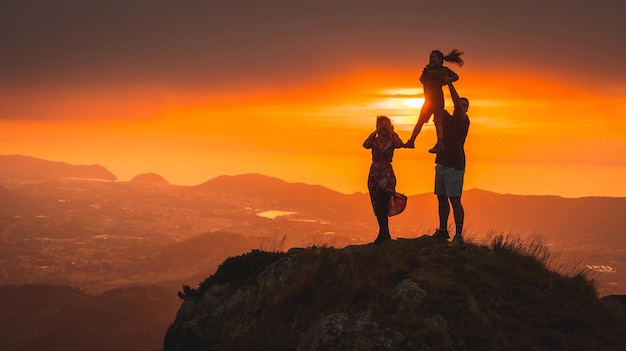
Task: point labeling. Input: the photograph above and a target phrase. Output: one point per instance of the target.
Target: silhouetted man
(450, 168)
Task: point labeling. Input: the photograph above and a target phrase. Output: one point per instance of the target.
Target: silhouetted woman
(434, 76)
(381, 181)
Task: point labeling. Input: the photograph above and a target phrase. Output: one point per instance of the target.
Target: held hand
(410, 144)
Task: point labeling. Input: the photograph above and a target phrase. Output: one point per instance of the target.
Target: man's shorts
(448, 181)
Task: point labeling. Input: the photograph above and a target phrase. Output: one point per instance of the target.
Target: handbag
(397, 203)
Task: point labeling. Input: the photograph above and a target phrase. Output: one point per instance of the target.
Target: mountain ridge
(16, 165)
(31, 167)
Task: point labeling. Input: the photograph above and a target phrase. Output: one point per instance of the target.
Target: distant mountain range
(588, 228)
(587, 219)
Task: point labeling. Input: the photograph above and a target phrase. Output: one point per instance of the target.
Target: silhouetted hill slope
(198, 253)
(583, 218)
(59, 318)
(563, 219)
(149, 178)
(315, 199)
(408, 294)
(27, 167)
(559, 219)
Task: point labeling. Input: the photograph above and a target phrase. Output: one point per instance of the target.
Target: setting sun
(413, 102)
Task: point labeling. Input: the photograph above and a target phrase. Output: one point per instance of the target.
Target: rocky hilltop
(407, 294)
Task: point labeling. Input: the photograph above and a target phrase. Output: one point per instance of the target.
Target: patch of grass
(234, 270)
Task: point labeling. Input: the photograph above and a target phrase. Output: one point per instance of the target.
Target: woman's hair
(385, 119)
(380, 119)
(454, 56)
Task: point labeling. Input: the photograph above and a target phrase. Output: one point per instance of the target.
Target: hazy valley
(77, 226)
(59, 225)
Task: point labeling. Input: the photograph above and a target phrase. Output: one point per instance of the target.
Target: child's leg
(423, 118)
(438, 121)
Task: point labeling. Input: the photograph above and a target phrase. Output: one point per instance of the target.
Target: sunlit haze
(293, 93)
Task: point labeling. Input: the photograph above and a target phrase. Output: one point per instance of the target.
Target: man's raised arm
(455, 96)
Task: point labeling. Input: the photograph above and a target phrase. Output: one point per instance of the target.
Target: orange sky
(550, 141)
(544, 119)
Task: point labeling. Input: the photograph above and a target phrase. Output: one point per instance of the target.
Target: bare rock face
(226, 311)
(408, 296)
(340, 331)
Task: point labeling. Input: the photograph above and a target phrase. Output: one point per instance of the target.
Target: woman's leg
(381, 211)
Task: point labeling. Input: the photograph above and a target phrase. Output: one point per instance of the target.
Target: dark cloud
(230, 43)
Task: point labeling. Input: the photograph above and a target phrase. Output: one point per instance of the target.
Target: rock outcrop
(408, 294)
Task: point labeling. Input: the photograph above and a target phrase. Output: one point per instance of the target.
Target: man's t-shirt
(455, 128)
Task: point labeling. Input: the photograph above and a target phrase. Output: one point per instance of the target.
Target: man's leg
(444, 212)
(443, 205)
(459, 217)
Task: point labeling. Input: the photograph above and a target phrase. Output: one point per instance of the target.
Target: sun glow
(195, 136)
(413, 102)
(402, 97)
(400, 104)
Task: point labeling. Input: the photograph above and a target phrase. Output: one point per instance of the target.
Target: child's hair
(454, 56)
